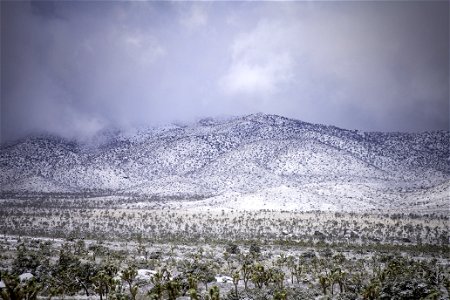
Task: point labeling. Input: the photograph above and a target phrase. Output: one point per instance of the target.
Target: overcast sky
(74, 68)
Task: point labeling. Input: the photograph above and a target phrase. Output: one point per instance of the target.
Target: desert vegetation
(37, 267)
(111, 217)
(105, 247)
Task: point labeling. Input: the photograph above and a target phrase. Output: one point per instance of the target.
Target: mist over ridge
(76, 68)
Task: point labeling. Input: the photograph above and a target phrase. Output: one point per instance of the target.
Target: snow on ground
(35, 184)
(325, 196)
(223, 279)
(25, 276)
(145, 274)
(251, 162)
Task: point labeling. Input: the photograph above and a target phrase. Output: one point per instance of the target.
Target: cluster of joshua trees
(42, 269)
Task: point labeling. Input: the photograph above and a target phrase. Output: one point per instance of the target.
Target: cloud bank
(74, 68)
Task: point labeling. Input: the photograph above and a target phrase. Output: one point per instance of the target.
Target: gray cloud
(73, 68)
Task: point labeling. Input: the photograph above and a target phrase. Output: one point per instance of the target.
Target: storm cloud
(75, 68)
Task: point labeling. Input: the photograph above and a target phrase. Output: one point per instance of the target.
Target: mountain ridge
(244, 155)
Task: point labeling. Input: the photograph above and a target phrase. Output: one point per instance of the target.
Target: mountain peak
(271, 119)
(260, 154)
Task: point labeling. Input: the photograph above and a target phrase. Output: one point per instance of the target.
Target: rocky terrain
(253, 162)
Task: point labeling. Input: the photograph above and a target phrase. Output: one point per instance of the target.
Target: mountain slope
(259, 156)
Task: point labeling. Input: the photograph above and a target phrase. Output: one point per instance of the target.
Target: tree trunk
(85, 289)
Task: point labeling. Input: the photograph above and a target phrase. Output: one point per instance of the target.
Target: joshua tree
(158, 286)
(298, 271)
(324, 282)
(193, 294)
(232, 249)
(259, 276)
(236, 278)
(84, 276)
(246, 270)
(255, 250)
(102, 283)
(16, 290)
(173, 289)
(290, 262)
(204, 274)
(280, 295)
(371, 292)
(282, 260)
(339, 259)
(129, 275)
(25, 261)
(193, 282)
(277, 277)
(214, 293)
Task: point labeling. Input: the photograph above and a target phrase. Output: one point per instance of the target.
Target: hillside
(252, 162)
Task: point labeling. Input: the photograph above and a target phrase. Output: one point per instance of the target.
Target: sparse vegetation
(63, 270)
(109, 252)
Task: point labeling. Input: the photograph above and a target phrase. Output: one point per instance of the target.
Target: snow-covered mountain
(268, 160)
